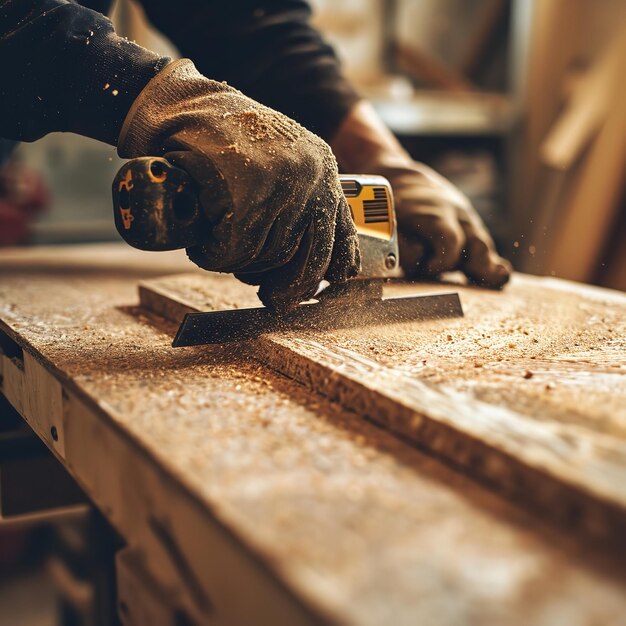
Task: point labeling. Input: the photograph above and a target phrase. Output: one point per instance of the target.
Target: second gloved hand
(269, 187)
(438, 228)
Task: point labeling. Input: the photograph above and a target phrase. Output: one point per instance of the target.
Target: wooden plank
(586, 109)
(284, 507)
(510, 421)
(492, 14)
(34, 396)
(557, 31)
(579, 194)
(590, 208)
(426, 67)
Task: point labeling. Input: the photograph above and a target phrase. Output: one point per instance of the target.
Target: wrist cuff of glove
(151, 118)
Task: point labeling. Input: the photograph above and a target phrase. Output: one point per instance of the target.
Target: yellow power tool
(156, 207)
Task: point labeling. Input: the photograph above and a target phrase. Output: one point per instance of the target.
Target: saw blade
(214, 327)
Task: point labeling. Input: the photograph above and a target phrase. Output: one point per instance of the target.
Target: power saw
(156, 207)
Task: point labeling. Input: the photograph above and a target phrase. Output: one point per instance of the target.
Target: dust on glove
(270, 188)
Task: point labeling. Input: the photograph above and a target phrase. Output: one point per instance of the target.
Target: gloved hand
(269, 187)
(438, 229)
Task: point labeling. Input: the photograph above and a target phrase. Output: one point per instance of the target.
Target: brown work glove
(269, 187)
(438, 229)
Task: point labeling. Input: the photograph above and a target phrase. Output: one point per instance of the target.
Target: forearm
(267, 49)
(363, 142)
(64, 69)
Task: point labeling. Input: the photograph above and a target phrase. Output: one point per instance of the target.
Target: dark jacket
(63, 68)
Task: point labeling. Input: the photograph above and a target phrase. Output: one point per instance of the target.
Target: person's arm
(63, 68)
(266, 48)
(270, 189)
(270, 50)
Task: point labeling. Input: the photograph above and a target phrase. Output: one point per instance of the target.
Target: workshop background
(521, 103)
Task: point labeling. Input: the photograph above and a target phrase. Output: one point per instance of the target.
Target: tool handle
(156, 206)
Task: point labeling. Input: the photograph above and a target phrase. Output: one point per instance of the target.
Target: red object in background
(23, 195)
(13, 224)
(12, 545)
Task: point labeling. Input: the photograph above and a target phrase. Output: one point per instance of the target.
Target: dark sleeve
(63, 68)
(266, 48)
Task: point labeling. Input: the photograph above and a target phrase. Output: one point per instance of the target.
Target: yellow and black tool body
(156, 207)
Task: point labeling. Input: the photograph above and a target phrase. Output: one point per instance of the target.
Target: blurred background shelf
(446, 114)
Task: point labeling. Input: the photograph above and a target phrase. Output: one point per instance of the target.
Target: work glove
(438, 228)
(270, 188)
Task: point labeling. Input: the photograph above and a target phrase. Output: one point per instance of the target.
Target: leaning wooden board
(528, 391)
(282, 507)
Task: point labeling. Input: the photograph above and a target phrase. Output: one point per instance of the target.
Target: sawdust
(347, 514)
(399, 399)
(550, 355)
(256, 125)
(227, 293)
(547, 353)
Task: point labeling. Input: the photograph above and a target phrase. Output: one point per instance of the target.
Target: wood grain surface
(528, 391)
(283, 506)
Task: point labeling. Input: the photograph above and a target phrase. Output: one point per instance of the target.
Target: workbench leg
(140, 600)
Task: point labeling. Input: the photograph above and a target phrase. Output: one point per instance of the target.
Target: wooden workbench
(246, 498)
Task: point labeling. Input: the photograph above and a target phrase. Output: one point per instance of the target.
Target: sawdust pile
(547, 354)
